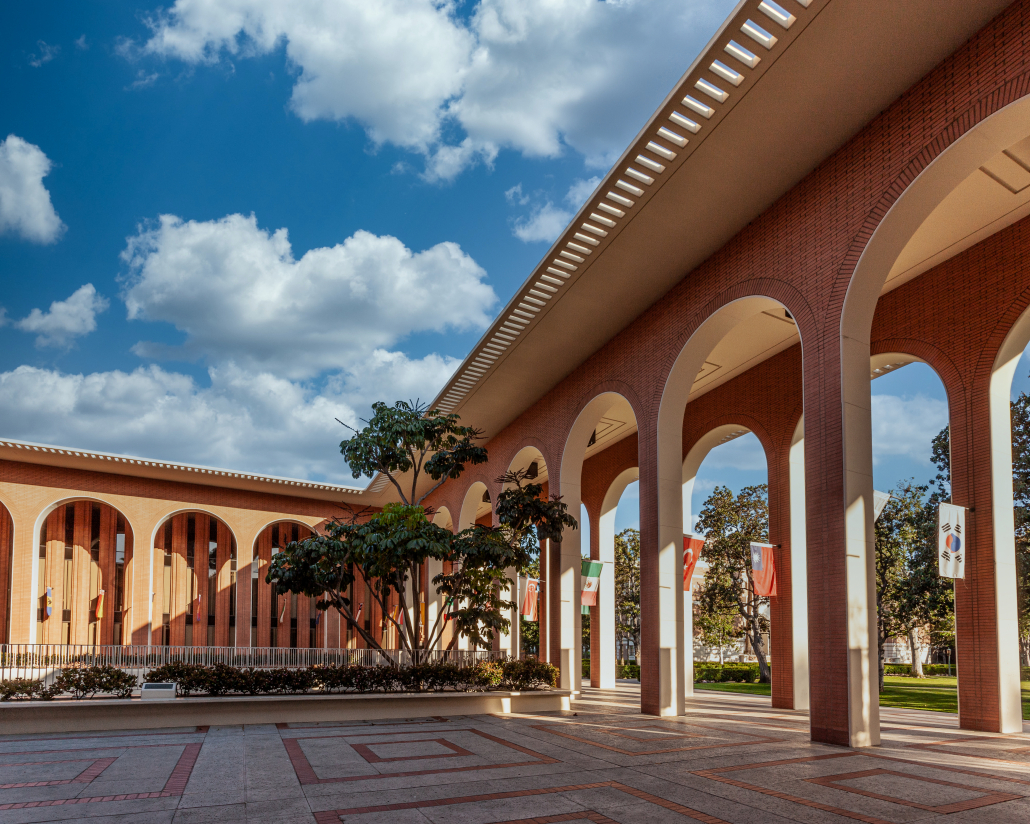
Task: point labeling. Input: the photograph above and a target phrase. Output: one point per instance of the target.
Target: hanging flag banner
(100, 605)
(692, 546)
(763, 569)
(591, 581)
(951, 554)
(529, 603)
(395, 613)
(357, 615)
(282, 613)
(49, 601)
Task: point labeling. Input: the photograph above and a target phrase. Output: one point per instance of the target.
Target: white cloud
(66, 319)
(905, 426)
(45, 55)
(530, 75)
(245, 420)
(238, 294)
(546, 221)
(543, 224)
(82, 43)
(143, 79)
(25, 207)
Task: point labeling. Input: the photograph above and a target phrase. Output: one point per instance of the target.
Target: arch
(99, 533)
(470, 504)
(564, 571)
(442, 517)
(189, 609)
(6, 571)
(663, 638)
(968, 143)
(1003, 371)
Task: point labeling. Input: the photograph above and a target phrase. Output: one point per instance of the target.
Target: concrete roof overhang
(834, 66)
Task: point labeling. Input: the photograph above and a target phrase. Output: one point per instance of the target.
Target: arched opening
(6, 572)
(284, 619)
(83, 575)
(729, 456)
(617, 634)
(964, 196)
(604, 421)
(194, 582)
(738, 335)
(915, 617)
(476, 508)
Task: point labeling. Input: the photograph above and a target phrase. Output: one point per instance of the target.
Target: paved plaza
(732, 759)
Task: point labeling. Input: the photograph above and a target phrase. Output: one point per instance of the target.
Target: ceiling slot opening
(633, 173)
(776, 12)
(685, 122)
(745, 56)
(661, 151)
(696, 105)
(629, 187)
(758, 34)
(672, 137)
(726, 73)
(711, 90)
(650, 164)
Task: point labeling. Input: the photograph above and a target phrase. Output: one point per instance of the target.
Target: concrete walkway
(731, 759)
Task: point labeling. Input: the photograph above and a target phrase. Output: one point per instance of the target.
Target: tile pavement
(731, 759)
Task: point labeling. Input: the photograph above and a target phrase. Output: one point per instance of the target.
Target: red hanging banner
(763, 569)
(529, 603)
(692, 547)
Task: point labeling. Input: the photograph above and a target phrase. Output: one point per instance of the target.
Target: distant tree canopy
(627, 592)
(386, 551)
(730, 523)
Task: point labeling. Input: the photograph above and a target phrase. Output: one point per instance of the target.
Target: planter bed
(89, 715)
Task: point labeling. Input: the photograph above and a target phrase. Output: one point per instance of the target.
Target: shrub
(528, 674)
(627, 671)
(742, 673)
(928, 669)
(26, 689)
(188, 678)
(85, 682)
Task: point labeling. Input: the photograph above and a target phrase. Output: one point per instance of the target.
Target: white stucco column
(799, 568)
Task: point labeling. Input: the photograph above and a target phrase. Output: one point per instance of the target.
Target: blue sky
(224, 224)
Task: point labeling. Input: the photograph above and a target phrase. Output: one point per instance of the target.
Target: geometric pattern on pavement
(730, 760)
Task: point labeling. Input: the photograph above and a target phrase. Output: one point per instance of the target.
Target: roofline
(29, 452)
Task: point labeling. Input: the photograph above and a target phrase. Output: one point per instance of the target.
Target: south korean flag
(951, 541)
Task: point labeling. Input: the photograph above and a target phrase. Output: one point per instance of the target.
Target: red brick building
(835, 188)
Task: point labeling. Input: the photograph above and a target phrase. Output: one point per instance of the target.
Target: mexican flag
(591, 582)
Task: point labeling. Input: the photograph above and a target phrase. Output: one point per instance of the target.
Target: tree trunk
(764, 676)
(879, 650)
(913, 645)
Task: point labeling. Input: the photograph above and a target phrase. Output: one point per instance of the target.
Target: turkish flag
(691, 552)
(763, 569)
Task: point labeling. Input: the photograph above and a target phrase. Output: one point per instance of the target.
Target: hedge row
(221, 679)
(81, 682)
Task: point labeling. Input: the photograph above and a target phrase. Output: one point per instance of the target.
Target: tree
(730, 523)
(1021, 501)
(386, 551)
(898, 558)
(410, 438)
(627, 591)
(716, 629)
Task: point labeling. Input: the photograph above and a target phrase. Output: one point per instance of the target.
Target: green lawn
(936, 693)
